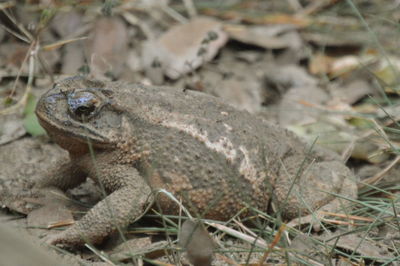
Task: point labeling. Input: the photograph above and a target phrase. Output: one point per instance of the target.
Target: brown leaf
(185, 47)
(49, 216)
(194, 238)
(359, 245)
(139, 246)
(352, 92)
(11, 128)
(107, 46)
(17, 248)
(269, 37)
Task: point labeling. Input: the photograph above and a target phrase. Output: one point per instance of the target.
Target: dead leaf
(139, 247)
(185, 47)
(357, 244)
(387, 72)
(14, 54)
(19, 249)
(320, 64)
(66, 23)
(49, 216)
(241, 89)
(196, 241)
(11, 128)
(303, 244)
(269, 37)
(336, 38)
(107, 47)
(289, 76)
(339, 138)
(298, 105)
(351, 92)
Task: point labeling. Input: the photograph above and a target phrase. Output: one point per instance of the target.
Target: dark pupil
(82, 105)
(84, 110)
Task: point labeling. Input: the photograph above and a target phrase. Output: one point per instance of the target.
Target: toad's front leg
(129, 197)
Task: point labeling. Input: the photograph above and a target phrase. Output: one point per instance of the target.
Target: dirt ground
(326, 70)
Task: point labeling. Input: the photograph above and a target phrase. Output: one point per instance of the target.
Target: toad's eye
(83, 105)
(85, 110)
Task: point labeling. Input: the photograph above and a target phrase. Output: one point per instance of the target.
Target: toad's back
(217, 158)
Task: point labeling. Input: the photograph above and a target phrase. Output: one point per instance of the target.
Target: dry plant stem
(173, 14)
(347, 151)
(32, 52)
(346, 154)
(160, 263)
(272, 245)
(244, 228)
(16, 34)
(340, 222)
(7, 5)
(380, 129)
(259, 242)
(56, 45)
(100, 254)
(60, 224)
(295, 5)
(20, 70)
(353, 217)
(191, 9)
(29, 38)
(317, 6)
(378, 177)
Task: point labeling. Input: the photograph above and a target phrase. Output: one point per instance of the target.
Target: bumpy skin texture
(217, 159)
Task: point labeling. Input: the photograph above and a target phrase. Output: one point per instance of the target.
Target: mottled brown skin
(217, 159)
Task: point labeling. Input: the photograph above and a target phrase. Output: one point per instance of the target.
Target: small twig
(7, 5)
(61, 224)
(33, 49)
(259, 242)
(378, 129)
(16, 34)
(100, 254)
(56, 45)
(244, 228)
(378, 177)
(295, 5)
(273, 244)
(317, 6)
(338, 222)
(173, 14)
(191, 9)
(353, 217)
(20, 27)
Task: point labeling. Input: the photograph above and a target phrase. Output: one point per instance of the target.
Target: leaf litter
(314, 69)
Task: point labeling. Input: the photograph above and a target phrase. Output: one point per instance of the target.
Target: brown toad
(217, 159)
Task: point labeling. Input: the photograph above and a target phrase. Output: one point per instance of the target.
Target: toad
(134, 140)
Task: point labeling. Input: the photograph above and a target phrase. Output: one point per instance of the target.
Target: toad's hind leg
(321, 186)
